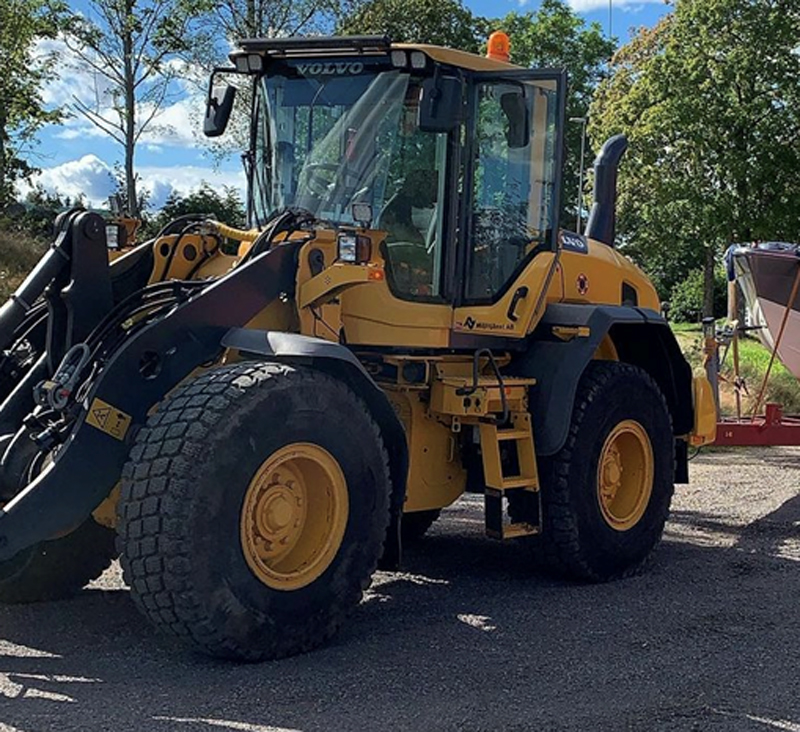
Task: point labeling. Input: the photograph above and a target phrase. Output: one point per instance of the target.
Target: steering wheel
(316, 183)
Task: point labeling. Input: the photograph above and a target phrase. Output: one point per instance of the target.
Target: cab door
(509, 216)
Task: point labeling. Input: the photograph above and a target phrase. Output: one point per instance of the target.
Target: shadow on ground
(468, 638)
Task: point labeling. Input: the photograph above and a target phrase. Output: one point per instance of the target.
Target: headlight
(354, 249)
(348, 248)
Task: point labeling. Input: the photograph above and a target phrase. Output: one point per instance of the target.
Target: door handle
(520, 294)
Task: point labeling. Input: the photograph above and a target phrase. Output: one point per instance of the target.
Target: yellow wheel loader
(261, 416)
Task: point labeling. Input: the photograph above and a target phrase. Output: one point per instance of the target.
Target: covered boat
(768, 275)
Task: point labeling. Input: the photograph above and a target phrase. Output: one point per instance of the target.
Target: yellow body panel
(436, 477)
(705, 412)
(597, 277)
(372, 315)
(493, 319)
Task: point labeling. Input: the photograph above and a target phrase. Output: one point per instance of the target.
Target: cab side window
(412, 212)
(512, 182)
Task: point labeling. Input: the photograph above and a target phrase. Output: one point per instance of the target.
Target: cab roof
(332, 46)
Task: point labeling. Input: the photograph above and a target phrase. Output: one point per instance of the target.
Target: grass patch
(782, 387)
(18, 255)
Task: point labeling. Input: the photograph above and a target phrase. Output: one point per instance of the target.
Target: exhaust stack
(602, 219)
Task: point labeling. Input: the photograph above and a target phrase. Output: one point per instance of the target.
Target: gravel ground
(468, 639)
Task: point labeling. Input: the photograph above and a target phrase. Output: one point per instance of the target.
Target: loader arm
(138, 374)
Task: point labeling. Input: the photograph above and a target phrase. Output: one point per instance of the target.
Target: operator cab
(418, 136)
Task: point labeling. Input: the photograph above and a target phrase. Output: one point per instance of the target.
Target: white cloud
(92, 177)
(178, 123)
(88, 176)
(585, 6)
(71, 78)
(161, 181)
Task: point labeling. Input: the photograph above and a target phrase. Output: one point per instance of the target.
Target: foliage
(440, 22)
(22, 108)
(134, 47)
(18, 254)
(686, 297)
(710, 102)
(782, 387)
(225, 206)
(554, 36)
(237, 19)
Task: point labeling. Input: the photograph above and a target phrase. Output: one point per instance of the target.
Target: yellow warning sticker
(108, 419)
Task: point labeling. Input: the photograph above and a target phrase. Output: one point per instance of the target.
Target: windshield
(325, 138)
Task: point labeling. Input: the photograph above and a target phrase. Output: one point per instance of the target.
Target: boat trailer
(773, 427)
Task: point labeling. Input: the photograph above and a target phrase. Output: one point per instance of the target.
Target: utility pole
(579, 215)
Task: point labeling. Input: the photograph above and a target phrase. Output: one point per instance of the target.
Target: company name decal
(471, 324)
(339, 68)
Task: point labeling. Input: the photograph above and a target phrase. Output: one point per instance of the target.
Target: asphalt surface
(707, 638)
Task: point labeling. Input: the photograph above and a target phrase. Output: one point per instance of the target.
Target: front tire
(606, 494)
(250, 521)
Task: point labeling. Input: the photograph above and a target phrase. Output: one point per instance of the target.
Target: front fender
(339, 361)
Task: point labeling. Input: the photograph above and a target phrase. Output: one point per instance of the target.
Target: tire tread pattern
(559, 550)
(156, 500)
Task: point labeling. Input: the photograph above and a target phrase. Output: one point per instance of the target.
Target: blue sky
(75, 157)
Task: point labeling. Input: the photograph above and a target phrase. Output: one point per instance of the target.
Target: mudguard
(339, 361)
(641, 336)
(141, 372)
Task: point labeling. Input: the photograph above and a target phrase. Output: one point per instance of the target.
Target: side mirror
(218, 110)
(440, 104)
(515, 108)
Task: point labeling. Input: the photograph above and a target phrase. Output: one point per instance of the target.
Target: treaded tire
(576, 541)
(414, 525)
(58, 569)
(183, 492)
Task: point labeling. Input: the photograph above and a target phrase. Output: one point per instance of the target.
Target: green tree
(710, 101)
(237, 19)
(225, 206)
(134, 48)
(440, 22)
(22, 109)
(554, 36)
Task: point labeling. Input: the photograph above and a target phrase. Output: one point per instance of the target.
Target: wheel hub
(625, 475)
(294, 516)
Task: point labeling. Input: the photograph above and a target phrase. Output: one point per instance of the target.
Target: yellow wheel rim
(625, 475)
(294, 516)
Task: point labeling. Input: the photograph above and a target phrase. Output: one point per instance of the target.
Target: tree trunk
(130, 117)
(3, 162)
(708, 283)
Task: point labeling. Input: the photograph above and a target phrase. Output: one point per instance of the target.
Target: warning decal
(108, 419)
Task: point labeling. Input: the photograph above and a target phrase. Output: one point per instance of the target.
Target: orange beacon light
(499, 46)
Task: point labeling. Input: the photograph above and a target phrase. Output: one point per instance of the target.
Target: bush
(225, 206)
(18, 255)
(686, 298)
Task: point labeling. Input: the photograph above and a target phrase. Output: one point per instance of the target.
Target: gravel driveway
(469, 639)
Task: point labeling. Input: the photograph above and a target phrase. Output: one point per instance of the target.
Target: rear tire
(588, 534)
(57, 569)
(206, 483)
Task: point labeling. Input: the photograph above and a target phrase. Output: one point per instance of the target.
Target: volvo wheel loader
(255, 419)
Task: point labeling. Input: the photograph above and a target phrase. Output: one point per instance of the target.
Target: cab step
(525, 484)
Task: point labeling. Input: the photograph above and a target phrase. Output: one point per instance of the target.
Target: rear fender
(641, 337)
